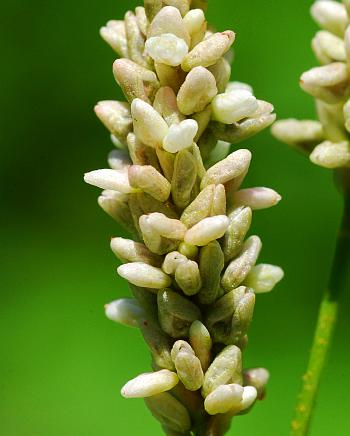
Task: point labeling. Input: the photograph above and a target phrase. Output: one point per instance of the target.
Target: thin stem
(327, 319)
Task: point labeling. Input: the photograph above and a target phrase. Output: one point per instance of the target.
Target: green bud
(184, 178)
(211, 264)
(187, 365)
(167, 162)
(240, 221)
(224, 398)
(176, 313)
(188, 250)
(188, 278)
(226, 368)
(148, 179)
(242, 318)
(142, 20)
(263, 278)
(201, 343)
(144, 275)
(199, 208)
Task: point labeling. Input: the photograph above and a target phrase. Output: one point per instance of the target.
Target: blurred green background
(62, 363)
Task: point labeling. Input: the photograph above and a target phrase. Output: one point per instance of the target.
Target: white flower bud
(172, 261)
(167, 49)
(115, 180)
(249, 396)
(224, 398)
(256, 198)
(194, 20)
(169, 21)
(151, 181)
(149, 126)
(180, 136)
(207, 230)
(331, 155)
(144, 275)
(125, 311)
(149, 384)
(234, 86)
(130, 251)
(166, 227)
(114, 34)
(330, 15)
(231, 107)
(328, 47)
(263, 278)
(304, 134)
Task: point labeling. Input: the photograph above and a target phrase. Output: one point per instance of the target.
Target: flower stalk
(173, 184)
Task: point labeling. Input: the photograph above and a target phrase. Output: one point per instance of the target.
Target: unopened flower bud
(188, 250)
(194, 20)
(330, 15)
(328, 47)
(249, 396)
(169, 412)
(166, 227)
(187, 365)
(149, 126)
(242, 318)
(201, 343)
(240, 221)
(240, 267)
(144, 275)
(226, 367)
(234, 86)
(142, 20)
(207, 230)
(197, 91)
(169, 21)
(116, 117)
(328, 83)
(172, 261)
(180, 136)
(165, 104)
(258, 378)
(224, 398)
(149, 384)
(167, 49)
(136, 41)
(209, 51)
(130, 251)
(221, 70)
(230, 168)
(211, 264)
(203, 119)
(115, 180)
(119, 159)
(188, 278)
(176, 313)
(184, 178)
(125, 311)
(331, 155)
(256, 198)
(263, 278)
(148, 179)
(170, 76)
(231, 107)
(114, 34)
(200, 207)
(116, 205)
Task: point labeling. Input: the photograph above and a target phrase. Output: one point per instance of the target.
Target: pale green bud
(234, 86)
(209, 51)
(197, 91)
(200, 207)
(149, 384)
(207, 230)
(149, 205)
(165, 104)
(201, 343)
(230, 168)
(152, 7)
(166, 227)
(256, 198)
(149, 126)
(116, 205)
(219, 152)
(263, 278)
(149, 180)
(239, 268)
(130, 251)
(249, 397)
(184, 178)
(125, 311)
(167, 162)
(331, 155)
(170, 76)
(169, 21)
(114, 34)
(219, 201)
(169, 412)
(167, 49)
(346, 111)
(188, 250)
(199, 36)
(153, 240)
(187, 365)
(196, 152)
(328, 83)
(114, 180)
(211, 264)
(330, 15)
(240, 221)
(224, 398)
(303, 134)
(258, 378)
(231, 107)
(203, 119)
(172, 261)
(143, 275)
(135, 40)
(328, 47)
(332, 119)
(119, 159)
(182, 5)
(226, 368)
(116, 117)
(142, 20)
(222, 73)
(188, 278)
(135, 80)
(180, 136)
(194, 20)
(242, 318)
(176, 313)
(238, 132)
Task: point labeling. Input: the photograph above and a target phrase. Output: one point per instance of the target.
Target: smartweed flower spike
(174, 186)
(326, 141)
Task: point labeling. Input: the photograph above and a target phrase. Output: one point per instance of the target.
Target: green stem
(327, 319)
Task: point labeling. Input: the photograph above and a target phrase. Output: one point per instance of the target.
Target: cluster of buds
(326, 141)
(174, 186)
